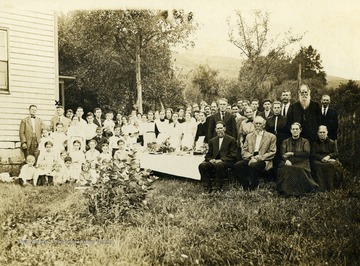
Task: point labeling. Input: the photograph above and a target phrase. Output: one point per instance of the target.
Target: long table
(173, 164)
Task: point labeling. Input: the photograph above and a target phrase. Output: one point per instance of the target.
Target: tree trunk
(139, 103)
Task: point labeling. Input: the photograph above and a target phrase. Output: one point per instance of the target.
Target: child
(109, 124)
(27, 172)
(59, 138)
(58, 175)
(92, 154)
(114, 139)
(94, 172)
(68, 170)
(85, 178)
(45, 136)
(105, 155)
(100, 139)
(48, 157)
(42, 175)
(78, 158)
(90, 128)
(121, 154)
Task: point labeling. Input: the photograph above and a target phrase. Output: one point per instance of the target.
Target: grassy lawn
(181, 225)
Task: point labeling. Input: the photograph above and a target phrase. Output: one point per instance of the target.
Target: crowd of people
(295, 142)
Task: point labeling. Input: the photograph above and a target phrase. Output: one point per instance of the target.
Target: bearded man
(307, 113)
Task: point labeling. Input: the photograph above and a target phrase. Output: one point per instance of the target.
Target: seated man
(257, 152)
(220, 156)
(327, 170)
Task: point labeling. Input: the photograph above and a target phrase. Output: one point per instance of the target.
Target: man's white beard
(305, 101)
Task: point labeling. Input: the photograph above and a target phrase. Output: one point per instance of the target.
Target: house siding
(33, 74)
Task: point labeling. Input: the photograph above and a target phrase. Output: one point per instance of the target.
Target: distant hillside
(334, 82)
(228, 67)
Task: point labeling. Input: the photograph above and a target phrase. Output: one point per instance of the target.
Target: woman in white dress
(189, 130)
(76, 132)
(175, 132)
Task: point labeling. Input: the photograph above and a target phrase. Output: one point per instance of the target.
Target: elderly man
(329, 117)
(30, 132)
(257, 152)
(307, 113)
(226, 117)
(220, 156)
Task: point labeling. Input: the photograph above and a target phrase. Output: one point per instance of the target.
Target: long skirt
(294, 181)
(328, 175)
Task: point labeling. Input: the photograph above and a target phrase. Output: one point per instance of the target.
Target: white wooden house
(28, 73)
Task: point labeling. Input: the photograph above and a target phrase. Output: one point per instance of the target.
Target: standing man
(220, 156)
(30, 133)
(267, 113)
(329, 117)
(226, 117)
(97, 119)
(307, 113)
(258, 151)
(60, 118)
(255, 106)
(79, 113)
(285, 103)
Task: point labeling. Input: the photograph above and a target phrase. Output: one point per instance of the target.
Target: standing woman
(189, 130)
(294, 173)
(168, 114)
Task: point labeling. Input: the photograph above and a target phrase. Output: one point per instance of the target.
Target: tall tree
(119, 50)
(311, 67)
(265, 57)
(207, 82)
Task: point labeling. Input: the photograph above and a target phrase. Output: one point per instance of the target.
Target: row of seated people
(302, 167)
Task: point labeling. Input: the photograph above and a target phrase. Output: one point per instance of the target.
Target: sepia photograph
(179, 132)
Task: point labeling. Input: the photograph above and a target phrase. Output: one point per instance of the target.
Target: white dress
(175, 133)
(189, 130)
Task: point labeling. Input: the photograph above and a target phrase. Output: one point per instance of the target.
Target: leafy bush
(121, 190)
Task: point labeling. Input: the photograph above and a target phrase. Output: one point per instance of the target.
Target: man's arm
(270, 153)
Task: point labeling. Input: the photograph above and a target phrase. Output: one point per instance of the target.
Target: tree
(113, 53)
(265, 57)
(207, 82)
(345, 99)
(311, 67)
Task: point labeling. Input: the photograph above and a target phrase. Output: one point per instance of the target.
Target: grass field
(182, 226)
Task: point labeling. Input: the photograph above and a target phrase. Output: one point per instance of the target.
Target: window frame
(6, 89)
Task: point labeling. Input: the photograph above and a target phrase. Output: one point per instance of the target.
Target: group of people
(239, 138)
(292, 143)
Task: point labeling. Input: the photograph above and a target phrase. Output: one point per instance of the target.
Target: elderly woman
(294, 174)
(327, 170)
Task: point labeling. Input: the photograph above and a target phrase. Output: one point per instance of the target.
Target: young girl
(45, 136)
(27, 172)
(105, 155)
(59, 138)
(114, 139)
(109, 124)
(121, 154)
(68, 170)
(47, 159)
(92, 154)
(85, 178)
(78, 158)
(94, 172)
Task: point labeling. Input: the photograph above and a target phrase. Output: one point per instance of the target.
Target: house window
(4, 61)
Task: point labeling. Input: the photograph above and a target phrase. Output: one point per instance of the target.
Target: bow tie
(249, 121)
(33, 116)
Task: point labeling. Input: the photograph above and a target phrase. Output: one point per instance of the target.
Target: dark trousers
(45, 180)
(248, 175)
(214, 172)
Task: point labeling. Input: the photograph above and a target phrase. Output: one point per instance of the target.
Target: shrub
(120, 192)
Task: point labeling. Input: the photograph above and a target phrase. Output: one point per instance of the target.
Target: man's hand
(214, 161)
(252, 160)
(287, 162)
(325, 159)
(288, 154)
(24, 146)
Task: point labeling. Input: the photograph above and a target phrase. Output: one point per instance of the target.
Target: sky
(332, 27)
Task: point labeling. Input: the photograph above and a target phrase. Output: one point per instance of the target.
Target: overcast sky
(331, 27)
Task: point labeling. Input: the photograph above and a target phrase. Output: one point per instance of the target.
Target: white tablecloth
(178, 165)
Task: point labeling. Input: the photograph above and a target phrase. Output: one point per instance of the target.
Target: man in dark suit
(202, 127)
(329, 117)
(257, 152)
(30, 133)
(100, 139)
(60, 118)
(226, 117)
(220, 156)
(277, 125)
(307, 113)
